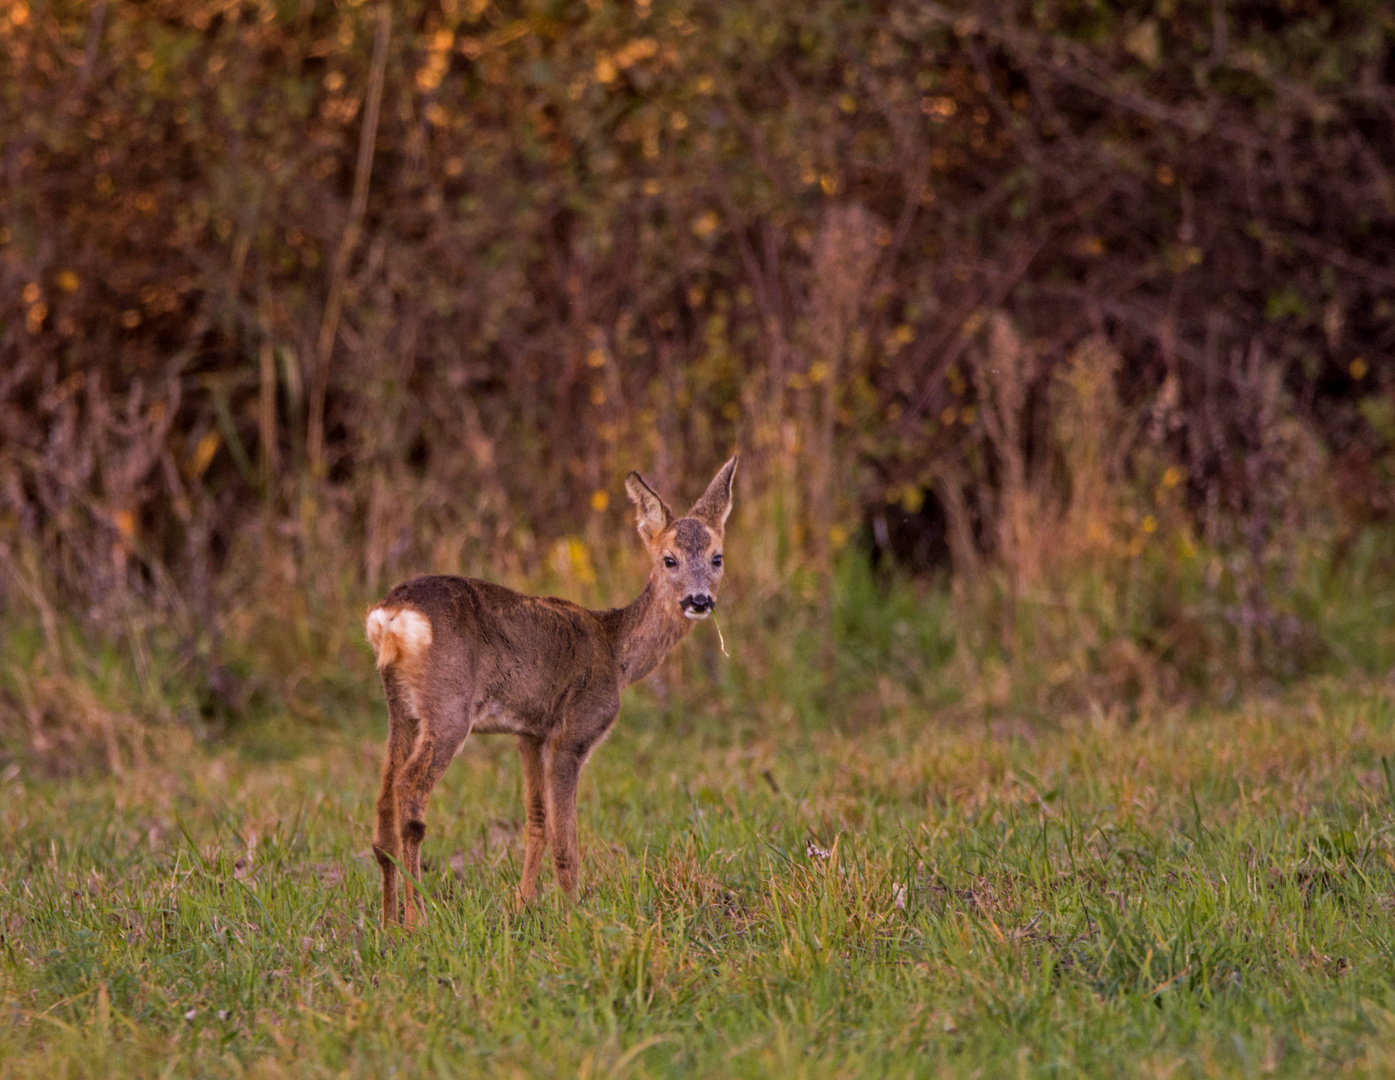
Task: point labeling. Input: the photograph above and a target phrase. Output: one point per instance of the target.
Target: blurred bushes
(306, 296)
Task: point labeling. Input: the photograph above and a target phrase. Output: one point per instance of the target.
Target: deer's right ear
(652, 515)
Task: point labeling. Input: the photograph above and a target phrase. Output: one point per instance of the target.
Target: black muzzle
(697, 604)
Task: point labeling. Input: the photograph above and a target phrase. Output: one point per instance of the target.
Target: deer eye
(717, 559)
(670, 561)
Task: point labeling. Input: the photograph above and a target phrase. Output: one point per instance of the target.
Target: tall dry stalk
(1088, 430)
(1002, 375)
(270, 458)
(845, 257)
(348, 243)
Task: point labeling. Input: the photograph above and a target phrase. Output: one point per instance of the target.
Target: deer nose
(697, 604)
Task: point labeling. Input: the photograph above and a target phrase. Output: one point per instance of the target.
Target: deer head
(686, 552)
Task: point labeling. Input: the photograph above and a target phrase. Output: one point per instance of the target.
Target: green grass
(1195, 895)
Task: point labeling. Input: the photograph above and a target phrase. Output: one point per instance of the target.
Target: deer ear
(652, 516)
(714, 506)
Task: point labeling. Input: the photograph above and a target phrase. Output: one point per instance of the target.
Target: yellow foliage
(203, 455)
(939, 108)
(571, 559)
(640, 49)
(704, 225)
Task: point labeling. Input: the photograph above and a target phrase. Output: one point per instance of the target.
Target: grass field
(1192, 895)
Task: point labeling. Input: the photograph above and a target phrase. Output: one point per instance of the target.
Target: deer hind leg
(414, 781)
(387, 848)
(563, 771)
(535, 814)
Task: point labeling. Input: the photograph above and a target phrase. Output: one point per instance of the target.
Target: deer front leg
(563, 771)
(535, 814)
(418, 775)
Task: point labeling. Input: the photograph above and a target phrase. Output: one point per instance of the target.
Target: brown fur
(459, 655)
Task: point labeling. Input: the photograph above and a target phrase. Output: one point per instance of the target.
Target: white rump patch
(401, 634)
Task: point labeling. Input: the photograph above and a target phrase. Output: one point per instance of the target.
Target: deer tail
(397, 634)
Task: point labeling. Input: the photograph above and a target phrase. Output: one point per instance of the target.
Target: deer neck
(643, 633)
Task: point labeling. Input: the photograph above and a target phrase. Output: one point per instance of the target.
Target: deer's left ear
(714, 506)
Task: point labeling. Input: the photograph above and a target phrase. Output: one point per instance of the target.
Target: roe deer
(459, 655)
